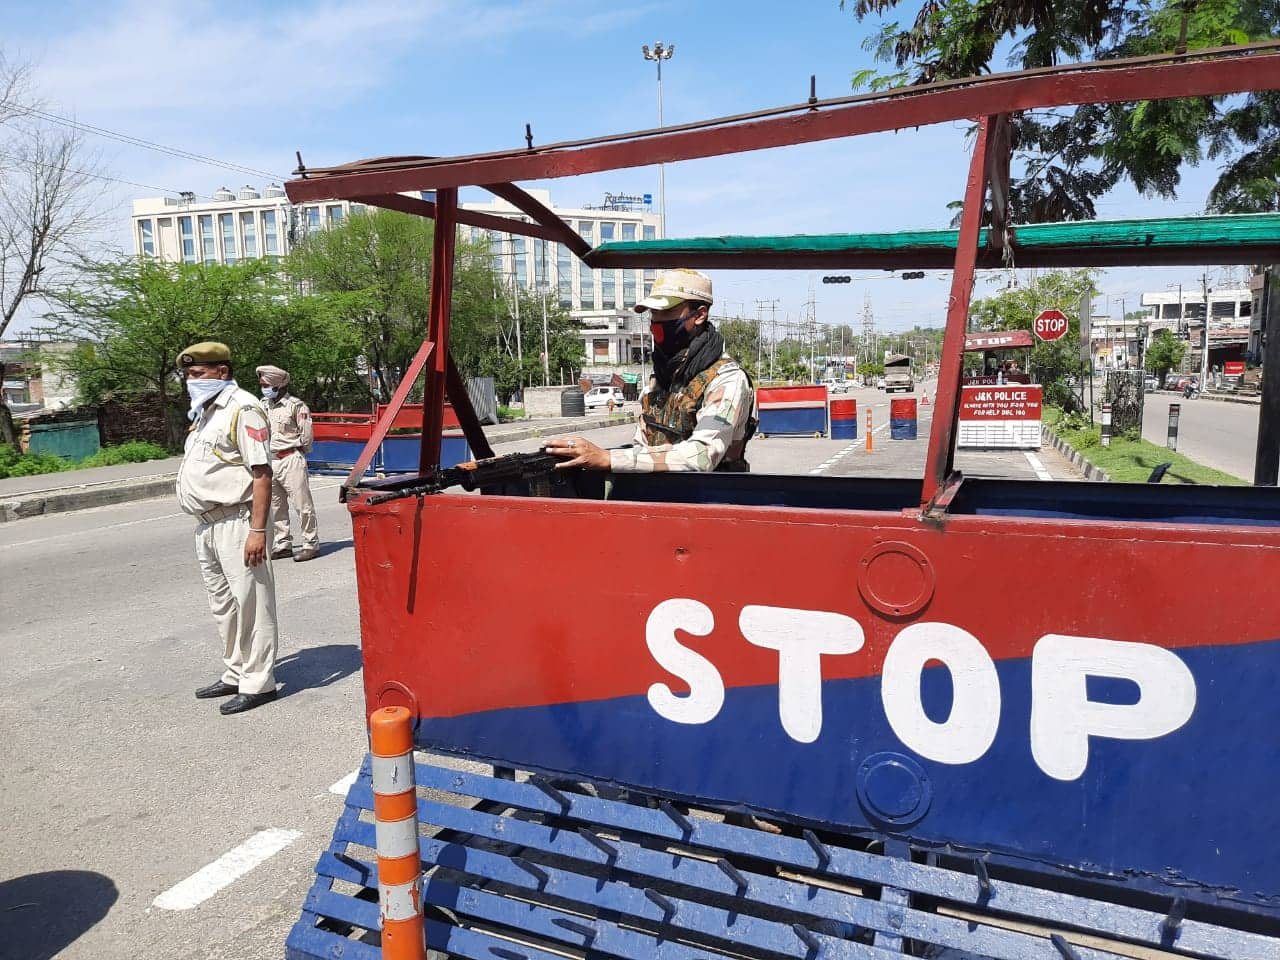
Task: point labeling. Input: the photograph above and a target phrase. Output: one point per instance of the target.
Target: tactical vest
(672, 415)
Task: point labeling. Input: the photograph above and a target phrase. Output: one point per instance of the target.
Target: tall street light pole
(659, 53)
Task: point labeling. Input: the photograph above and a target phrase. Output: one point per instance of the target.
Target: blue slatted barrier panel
(400, 453)
(532, 869)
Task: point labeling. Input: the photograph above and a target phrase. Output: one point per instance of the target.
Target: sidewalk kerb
(102, 493)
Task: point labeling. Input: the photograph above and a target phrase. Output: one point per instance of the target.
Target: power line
(145, 144)
(89, 173)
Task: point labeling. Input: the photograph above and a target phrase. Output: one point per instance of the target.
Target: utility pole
(868, 327)
(1204, 350)
(659, 53)
(773, 306)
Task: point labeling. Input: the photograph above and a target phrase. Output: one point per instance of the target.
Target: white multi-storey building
(232, 227)
(599, 301)
(229, 227)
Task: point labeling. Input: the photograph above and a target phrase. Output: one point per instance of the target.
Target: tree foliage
(132, 317)
(373, 272)
(1164, 354)
(48, 203)
(1065, 159)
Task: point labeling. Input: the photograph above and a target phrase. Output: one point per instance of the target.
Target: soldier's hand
(255, 549)
(583, 453)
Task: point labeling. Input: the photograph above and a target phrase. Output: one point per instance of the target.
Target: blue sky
(251, 83)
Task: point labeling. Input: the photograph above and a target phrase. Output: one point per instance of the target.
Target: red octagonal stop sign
(1050, 325)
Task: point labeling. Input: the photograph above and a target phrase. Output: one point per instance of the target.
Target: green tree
(1016, 309)
(1164, 354)
(741, 341)
(373, 271)
(132, 317)
(1065, 159)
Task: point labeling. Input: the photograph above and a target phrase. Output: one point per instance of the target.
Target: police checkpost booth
(859, 752)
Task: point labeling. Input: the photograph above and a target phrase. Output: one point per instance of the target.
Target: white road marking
(831, 461)
(228, 868)
(1037, 466)
(344, 785)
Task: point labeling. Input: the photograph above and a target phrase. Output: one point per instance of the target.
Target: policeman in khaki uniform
(291, 438)
(225, 483)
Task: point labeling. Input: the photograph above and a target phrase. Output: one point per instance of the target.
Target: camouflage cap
(209, 351)
(672, 287)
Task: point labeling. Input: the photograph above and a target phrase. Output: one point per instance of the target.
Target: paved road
(114, 771)
(1215, 433)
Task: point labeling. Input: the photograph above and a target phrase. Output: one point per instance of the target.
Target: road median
(1127, 459)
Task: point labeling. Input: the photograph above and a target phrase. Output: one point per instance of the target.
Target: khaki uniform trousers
(243, 601)
(290, 488)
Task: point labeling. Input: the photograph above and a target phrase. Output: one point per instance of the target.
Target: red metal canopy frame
(990, 100)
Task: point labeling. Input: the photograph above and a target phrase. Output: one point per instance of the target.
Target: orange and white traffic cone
(869, 430)
(395, 811)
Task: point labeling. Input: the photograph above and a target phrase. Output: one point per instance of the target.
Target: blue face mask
(202, 391)
(269, 392)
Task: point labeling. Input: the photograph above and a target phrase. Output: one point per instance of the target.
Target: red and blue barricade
(902, 418)
(1090, 764)
(844, 419)
(338, 440)
(792, 410)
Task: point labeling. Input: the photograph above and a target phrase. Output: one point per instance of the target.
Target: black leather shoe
(216, 689)
(281, 553)
(246, 701)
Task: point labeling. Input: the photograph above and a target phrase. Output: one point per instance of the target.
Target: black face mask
(670, 335)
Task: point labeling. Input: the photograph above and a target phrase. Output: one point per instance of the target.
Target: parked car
(835, 385)
(1151, 383)
(602, 396)
(879, 383)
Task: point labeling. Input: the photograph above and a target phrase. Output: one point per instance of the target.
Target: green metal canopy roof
(1246, 238)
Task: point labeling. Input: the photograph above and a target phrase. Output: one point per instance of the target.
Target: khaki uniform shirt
(215, 465)
(720, 431)
(290, 424)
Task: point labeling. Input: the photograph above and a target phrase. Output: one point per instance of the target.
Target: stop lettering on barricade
(844, 420)
(902, 419)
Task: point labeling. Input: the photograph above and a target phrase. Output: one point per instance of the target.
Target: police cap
(209, 351)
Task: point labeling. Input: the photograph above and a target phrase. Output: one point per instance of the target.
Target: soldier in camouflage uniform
(700, 415)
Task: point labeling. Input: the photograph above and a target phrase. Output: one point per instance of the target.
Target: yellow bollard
(869, 429)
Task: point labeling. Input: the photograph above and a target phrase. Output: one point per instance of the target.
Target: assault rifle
(513, 475)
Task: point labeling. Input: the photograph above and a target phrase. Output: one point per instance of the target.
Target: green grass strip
(1131, 460)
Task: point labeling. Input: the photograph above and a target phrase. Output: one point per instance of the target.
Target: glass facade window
(334, 213)
(1222, 309)
(148, 241)
(270, 236)
(208, 250)
(248, 230)
(313, 218)
(606, 232)
(357, 209)
(564, 275)
(650, 233)
(187, 239)
(628, 231)
(586, 279)
(522, 265)
(227, 225)
(609, 288)
(495, 250)
(629, 297)
(540, 262)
